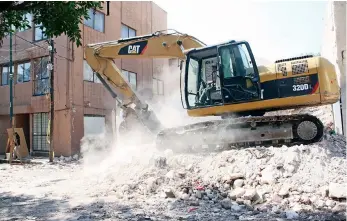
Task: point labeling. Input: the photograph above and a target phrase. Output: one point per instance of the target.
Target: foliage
(57, 17)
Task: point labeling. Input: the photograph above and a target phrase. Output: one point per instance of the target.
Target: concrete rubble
(290, 180)
(306, 182)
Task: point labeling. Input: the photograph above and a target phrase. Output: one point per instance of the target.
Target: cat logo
(133, 49)
(137, 48)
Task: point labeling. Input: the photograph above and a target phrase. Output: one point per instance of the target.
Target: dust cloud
(170, 110)
(127, 156)
(101, 151)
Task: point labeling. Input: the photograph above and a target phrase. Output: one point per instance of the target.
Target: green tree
(57, 17)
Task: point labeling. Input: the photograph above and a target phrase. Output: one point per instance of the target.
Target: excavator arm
(161, 44)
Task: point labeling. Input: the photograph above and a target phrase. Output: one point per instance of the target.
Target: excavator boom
(161, 44)
(101, 56)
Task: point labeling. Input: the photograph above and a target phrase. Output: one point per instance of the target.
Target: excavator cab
(219, 75)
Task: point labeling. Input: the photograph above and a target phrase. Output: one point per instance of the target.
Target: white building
(334, 49)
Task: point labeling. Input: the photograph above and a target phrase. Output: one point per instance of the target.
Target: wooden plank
(23, 150)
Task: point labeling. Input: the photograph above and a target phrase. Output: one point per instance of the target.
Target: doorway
(23, 121)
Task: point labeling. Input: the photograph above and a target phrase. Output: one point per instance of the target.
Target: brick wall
(75, 97)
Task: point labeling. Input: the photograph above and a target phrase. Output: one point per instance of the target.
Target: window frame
(40, 76)
(85, 116)
(157, 86)
(95, 78)
(92, 17)
(43, 36)
(42, 134)
(128, 28)
(17, 66)
(128, 77)
(8, 73)
(30, 19)
(2, 73)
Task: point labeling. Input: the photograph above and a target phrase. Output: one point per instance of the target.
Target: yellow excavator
(221, 80)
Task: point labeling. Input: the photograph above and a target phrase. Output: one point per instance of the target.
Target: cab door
(239, 73)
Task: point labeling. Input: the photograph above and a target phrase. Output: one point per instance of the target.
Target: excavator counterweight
(221, 80)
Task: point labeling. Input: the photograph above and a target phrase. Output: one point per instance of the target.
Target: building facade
(82, 105)
(334, 49)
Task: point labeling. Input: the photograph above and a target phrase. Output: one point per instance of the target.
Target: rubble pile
(132, 182)
(287, 180)
(296, 182)
(68, 159)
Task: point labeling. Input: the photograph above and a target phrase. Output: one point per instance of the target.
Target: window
(246, 59)
(131, 77)
(192, 84)
(29, 18)
(157, 86)
(39, 32)
(127, 32)
(23, 72)
(40, 127)
(242, 54)
(228, 69)
(41, 84)
(5, 75)
(125, 74)
(154, 86)
(88, 74)
(95, 21)
(94, 125)
(236, 61)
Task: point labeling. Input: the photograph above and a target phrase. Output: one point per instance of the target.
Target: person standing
(16, 152)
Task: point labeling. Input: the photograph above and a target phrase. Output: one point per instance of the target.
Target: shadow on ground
(27, 207)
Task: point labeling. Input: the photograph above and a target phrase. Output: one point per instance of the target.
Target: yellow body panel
(288, 102)
(329, 87)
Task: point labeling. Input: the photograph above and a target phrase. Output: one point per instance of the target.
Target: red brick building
(81, 102)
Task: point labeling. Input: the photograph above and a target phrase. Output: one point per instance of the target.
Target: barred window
(40, 127)
(41, 83)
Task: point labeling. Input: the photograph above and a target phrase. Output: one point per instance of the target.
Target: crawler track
(243, 132)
